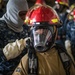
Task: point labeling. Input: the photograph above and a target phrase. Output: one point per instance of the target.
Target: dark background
(49, 2)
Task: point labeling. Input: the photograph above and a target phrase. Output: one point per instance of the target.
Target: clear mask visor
(41, 37)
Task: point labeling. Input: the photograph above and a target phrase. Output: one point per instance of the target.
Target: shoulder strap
(32, 61)
(32, 64)
(64, 57)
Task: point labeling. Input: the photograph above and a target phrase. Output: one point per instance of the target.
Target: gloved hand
(12, 50)
(68, 48)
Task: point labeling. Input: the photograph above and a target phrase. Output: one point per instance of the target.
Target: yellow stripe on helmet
(55, 20)
(63, 3)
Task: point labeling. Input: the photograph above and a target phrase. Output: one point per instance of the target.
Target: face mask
(41, 38)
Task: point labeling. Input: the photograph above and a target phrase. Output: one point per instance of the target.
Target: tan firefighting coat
(48, 64)
(12, 50)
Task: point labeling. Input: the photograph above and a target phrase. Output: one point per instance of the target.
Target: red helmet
(62, 2)
(74, 14)
(43, 18)
(41, 12)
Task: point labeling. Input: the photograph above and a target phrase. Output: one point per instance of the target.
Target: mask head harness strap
(32, 59)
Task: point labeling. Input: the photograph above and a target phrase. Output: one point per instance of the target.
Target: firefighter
(44, 57)
(12, 28)
(70, 32)
(62, 7)
(11, 23)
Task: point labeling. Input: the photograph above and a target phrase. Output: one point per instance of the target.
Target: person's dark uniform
(12, 28)
(70, 35)
(70, 31)
(61, 7)
(62, 30)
